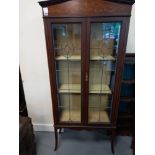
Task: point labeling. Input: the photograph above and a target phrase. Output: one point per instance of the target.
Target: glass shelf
(94, 70)
(71, 70)
(78, 58)
(70, 88)
(99, 89)
(108, 57)
(96, 115)
(74, 58)
(76, 88)
(100, 107)
(70, 116)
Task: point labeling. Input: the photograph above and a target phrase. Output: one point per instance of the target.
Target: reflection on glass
(104, 40)
(67, 48)
(103, 54)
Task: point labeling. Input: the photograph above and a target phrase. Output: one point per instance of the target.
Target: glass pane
(67, 48)
(67, 41)
(70, 107)
(99, 108)
(103, 56)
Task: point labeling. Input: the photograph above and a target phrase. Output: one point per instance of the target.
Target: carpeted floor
(81, 143)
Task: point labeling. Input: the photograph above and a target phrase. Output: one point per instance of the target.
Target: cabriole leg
(60, 130)
(56, 139)
(113, 133)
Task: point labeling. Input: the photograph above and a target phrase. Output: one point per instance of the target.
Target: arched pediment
(85, 8)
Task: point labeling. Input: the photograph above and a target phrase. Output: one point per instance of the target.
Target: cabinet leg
(112, 141)
(60, 130)
(56, 139)
(133, 145)
(133, 141)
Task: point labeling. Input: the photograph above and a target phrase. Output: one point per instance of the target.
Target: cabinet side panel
(119, 67)
(51, 67)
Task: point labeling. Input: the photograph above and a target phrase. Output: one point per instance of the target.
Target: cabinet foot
(60, 130)
(56, 139)
(113, 133)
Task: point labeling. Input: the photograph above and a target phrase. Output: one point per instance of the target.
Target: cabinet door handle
(86, 79)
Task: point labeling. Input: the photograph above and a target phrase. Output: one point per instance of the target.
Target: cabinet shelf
(127, 99)
(78, 58)
(69, 116)
(75, 116)
(74, 58)
(128, 81)
(71, 70)
(94, 116)
(76, 88)
(70, 88)
(97, 88)
(108, 57)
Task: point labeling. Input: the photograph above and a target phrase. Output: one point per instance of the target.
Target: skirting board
(43, 127)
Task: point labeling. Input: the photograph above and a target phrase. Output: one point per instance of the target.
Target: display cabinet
(126, 112)
(86, 42)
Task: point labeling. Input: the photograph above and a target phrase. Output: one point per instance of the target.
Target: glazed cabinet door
(103, 57)
(67, 48)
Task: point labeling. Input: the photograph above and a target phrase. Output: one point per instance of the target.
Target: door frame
(119, 63)
(52, 67)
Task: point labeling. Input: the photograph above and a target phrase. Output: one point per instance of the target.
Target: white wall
(131, 37)
(33, 64)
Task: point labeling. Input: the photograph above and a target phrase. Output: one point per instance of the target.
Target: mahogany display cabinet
(86, 43)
